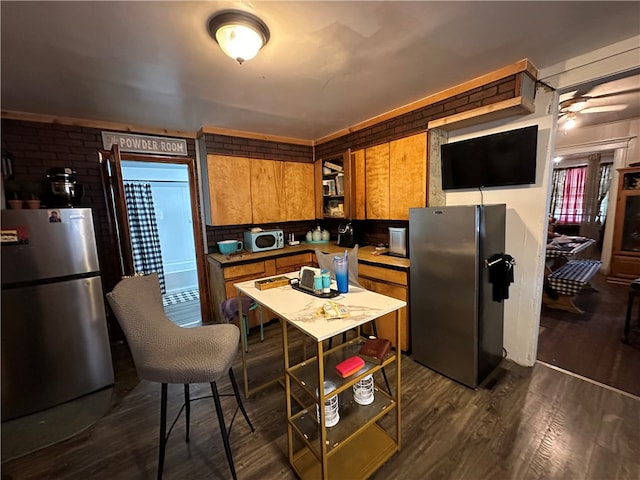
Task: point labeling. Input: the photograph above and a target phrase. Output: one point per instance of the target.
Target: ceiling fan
(602, 98)
(579, 104)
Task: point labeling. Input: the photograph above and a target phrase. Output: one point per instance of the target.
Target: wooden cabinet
(333, 187)
(395, 177)
(393, 283)
(625, 257)
(229, 189)
(267, 191)
(252, 191)
(299, 191)
(377, 182)
(407, 175)
(222, 277)
(221, 280)
(358, 208)
(291, 263)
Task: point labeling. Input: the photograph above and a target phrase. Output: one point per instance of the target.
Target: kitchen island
(357, 444)
(383, 274)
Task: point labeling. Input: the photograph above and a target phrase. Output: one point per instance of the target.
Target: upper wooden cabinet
(358, 208)
(298, 191)
(267, 191)
(407, 175)
(395, 177)
(377, 182)
(229, 189)
(254, 191)
(333, 187)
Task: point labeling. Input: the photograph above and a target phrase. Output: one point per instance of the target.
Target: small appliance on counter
(258, 240)
(62, 188)
(398, 241)
(346, 237)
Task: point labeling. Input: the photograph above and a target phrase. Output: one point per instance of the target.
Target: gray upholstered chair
(166, 353)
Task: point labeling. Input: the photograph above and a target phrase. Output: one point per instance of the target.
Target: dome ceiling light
(240, 35)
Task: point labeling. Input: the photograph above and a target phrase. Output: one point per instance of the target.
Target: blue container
(341, 267)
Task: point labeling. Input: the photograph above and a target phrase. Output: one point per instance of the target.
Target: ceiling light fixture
(571, 121)
(240, 35)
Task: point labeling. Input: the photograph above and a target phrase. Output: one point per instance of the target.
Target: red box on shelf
(349, 366)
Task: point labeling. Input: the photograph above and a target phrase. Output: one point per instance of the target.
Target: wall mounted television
(501, 159)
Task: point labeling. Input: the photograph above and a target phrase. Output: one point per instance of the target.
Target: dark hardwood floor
(590, 344)
(528, 423)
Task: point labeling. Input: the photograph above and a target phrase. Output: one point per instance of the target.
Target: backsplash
(368, 232)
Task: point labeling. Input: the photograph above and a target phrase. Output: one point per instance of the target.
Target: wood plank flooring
(184, 314)
(532, 423)
(589, 344)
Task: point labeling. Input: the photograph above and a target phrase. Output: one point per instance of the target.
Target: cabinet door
(298, 191)
(357, 201)
(267, 191)
(229, 189)
(407, 175)
(317, 177)
(386, 325)
(293, 263)
(377, 182)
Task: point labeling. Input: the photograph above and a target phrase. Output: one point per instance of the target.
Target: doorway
(589, 344)
(142, 222)
(163, 190)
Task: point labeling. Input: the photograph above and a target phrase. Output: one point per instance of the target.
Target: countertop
(365, 255)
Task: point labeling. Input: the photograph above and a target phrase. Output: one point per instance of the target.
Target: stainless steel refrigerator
(456, 326)
(55, 345)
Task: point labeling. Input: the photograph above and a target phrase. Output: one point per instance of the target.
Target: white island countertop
(301, 309)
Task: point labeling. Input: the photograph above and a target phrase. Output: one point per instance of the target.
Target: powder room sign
(144, 143)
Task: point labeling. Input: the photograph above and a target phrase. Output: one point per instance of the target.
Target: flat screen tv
(501, 159)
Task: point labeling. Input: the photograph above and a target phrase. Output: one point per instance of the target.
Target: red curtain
(572, 196)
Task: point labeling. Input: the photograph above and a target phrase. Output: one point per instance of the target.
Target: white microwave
(264, 240)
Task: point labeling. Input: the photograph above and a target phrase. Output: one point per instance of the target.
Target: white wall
(527, 206)
(526, 225)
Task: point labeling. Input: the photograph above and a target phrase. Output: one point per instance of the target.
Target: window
(570, 201)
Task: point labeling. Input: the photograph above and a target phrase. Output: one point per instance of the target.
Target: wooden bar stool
(634, 290)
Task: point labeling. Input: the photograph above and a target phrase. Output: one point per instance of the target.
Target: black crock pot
(62, 188)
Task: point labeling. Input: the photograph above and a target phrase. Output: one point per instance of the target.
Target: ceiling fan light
(570, 122)
(239, 34)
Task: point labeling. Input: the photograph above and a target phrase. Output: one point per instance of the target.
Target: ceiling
(327, 66)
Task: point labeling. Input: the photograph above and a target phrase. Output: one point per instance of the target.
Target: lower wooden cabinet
(392, 283)
(222, 278)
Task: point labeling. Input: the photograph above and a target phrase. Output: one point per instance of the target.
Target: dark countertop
(365, 255)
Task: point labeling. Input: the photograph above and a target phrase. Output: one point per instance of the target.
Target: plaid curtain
(145, 240)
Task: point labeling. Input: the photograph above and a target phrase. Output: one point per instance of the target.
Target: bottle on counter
(317, 234)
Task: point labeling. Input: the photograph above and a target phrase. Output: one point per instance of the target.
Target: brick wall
(416, 121)
(255, 148)
(36, 147)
